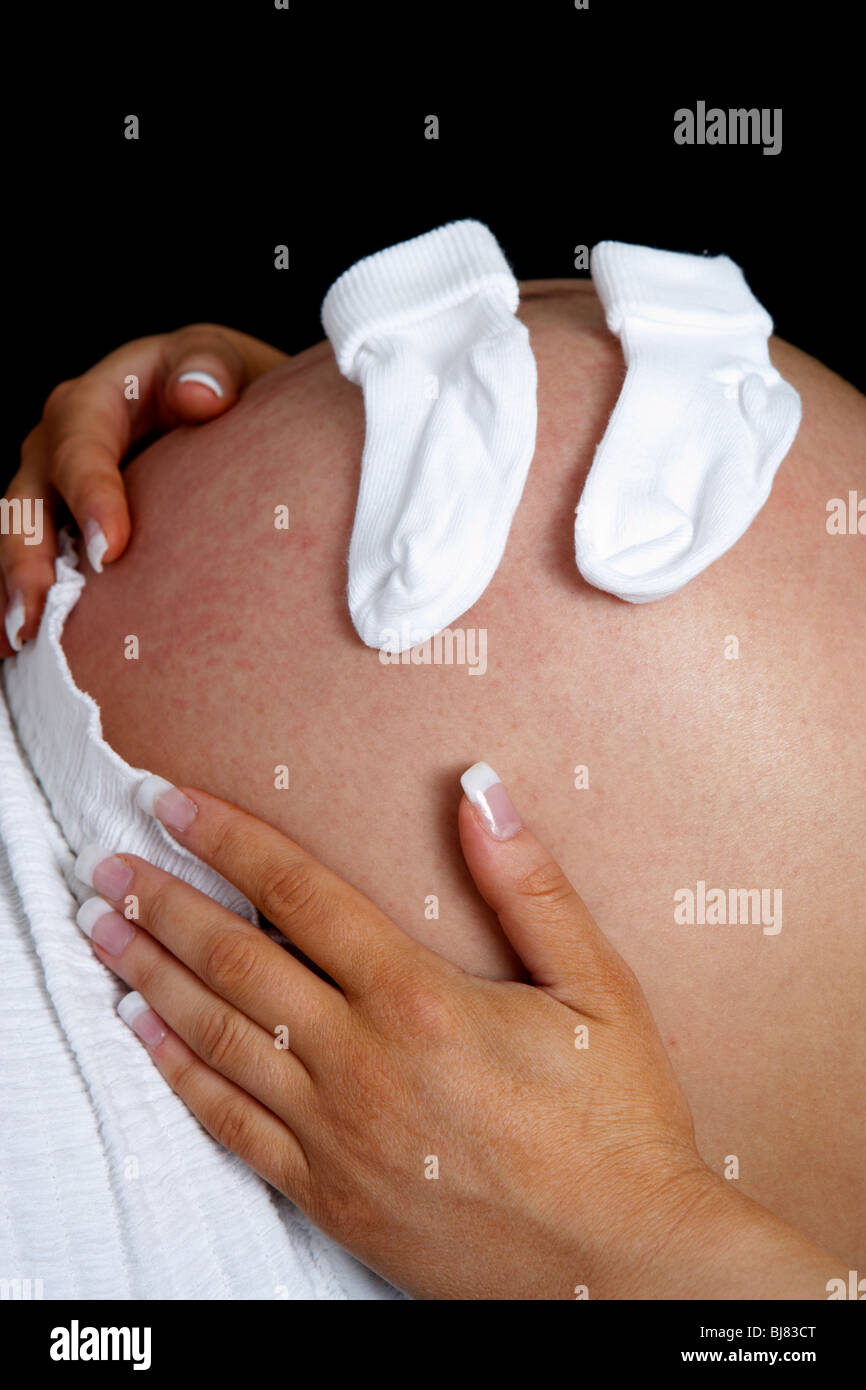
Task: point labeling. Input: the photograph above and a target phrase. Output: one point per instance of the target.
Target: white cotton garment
(428, 330)
(701, 425)
(109, 1187)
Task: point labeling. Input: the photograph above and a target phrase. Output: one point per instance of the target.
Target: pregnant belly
(690, 762)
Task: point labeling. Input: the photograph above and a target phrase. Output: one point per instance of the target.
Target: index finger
(334, 924)
(28, 546)
(88, 430)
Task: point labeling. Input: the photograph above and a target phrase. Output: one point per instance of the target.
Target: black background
(627, 1343)
(305, 127)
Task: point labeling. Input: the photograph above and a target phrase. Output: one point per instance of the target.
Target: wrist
(708, 1241)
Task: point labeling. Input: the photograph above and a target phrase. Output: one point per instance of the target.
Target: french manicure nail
(136, 1012)
(485, 791)
(203, 379)
(102, 870)
(107, 928)
(159, 798)
(15, 619)
(95, 544)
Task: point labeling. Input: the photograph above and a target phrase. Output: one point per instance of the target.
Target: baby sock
(701, 425)
(427, 328)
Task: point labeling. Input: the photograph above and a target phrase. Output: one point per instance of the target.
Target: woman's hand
(465, 1138)
(73, 456)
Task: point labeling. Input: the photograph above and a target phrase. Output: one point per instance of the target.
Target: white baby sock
(428, 330)
(701, 425)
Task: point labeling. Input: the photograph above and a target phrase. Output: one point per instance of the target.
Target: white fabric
(428, 330)
(109, 1187)
(701, 425)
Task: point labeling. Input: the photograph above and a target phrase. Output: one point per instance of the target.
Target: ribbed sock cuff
(413, 280)
(674, 288)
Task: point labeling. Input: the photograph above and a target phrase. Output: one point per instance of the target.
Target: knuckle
(616, 983)
(81, 454)
(68, 455)
(233, 1124)
(230, 843)
(620, 984)
(181, 1074)
(418, 1008)
(147, 974)
(225, 841)
(229, 961)
(547, 887)
(288, 889)
(156, 912)
(220, 1035)
(60, 395)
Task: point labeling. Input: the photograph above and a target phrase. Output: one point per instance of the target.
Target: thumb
(204, 374)
(542, 915)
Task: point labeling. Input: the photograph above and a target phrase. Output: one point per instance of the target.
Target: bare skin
(742, 773)
(558, 1162)
(71, 460)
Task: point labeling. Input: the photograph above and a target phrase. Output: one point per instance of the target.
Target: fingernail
(142, 1020)
(107, 928)
(159, 798)
(102, 870)
(15, 619)
(95, 544)
(484, 789)
(203, 379)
